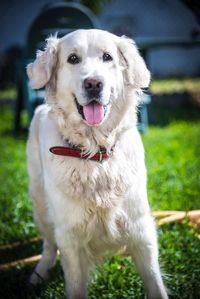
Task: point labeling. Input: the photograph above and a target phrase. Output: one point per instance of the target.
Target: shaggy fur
(85, 208)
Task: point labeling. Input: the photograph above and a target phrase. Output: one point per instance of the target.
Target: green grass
(173, 162)
(15, 210)
(9, 93)
(175, 85)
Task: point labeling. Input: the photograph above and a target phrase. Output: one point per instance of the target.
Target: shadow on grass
(7, 115)
(15, 284)
(14, 280)
(19, 135)
(20, 250)
(169, 108)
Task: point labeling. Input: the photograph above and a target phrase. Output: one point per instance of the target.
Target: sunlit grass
(175, 85)
(173, 162)
(9, 93)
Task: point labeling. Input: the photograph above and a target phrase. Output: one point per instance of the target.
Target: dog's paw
(36, 279)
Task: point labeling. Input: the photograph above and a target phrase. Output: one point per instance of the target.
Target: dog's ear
(135, 70)
(39, 72)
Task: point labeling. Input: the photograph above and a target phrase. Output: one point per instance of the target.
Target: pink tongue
(93, 113)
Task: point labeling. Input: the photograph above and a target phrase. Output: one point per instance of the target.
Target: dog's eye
(73, 59)
(107, 57)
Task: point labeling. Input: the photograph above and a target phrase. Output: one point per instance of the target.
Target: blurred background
(156, 19)
(167, 33)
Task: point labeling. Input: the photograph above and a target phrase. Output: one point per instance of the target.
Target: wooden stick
(195, 214)
(172, 218)
(16, 244)
(158, 214)
(25, 261)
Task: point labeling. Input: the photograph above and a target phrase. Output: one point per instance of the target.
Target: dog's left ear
(40, 71)
(135, 70)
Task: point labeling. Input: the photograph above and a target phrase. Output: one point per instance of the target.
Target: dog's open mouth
(93, 113)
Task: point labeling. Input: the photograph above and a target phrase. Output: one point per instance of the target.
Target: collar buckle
(100, 156)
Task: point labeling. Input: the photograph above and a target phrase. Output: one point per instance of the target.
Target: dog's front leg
(75, 265)
(143, 249)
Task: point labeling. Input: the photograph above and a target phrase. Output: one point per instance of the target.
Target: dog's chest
(100, 230)
(102, 184)
(92, 196)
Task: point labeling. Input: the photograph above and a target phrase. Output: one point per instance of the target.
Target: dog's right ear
(39, 72)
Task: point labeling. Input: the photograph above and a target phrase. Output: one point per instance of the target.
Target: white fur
(84, 208)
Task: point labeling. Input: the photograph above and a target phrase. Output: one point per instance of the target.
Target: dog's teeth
(105, 109)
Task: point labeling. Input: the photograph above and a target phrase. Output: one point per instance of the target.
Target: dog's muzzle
(94, 111)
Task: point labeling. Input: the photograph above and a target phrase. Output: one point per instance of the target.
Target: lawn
(173, 162)
(166, 86)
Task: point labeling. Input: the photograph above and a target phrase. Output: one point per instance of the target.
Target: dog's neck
(77, 151)
(90, 139)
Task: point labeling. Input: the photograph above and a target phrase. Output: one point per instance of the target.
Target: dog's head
(88, 72)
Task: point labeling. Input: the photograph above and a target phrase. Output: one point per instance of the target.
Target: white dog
(86, 159)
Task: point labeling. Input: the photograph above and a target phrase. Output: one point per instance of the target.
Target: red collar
(77, 152)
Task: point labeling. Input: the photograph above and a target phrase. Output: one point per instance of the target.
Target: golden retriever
(86, 158)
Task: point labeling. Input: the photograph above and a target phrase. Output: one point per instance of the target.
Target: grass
(16, 216)
(9, 93)
(175, 85)
(173, 162)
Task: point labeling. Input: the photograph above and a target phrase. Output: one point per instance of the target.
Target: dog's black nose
(93, 87)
